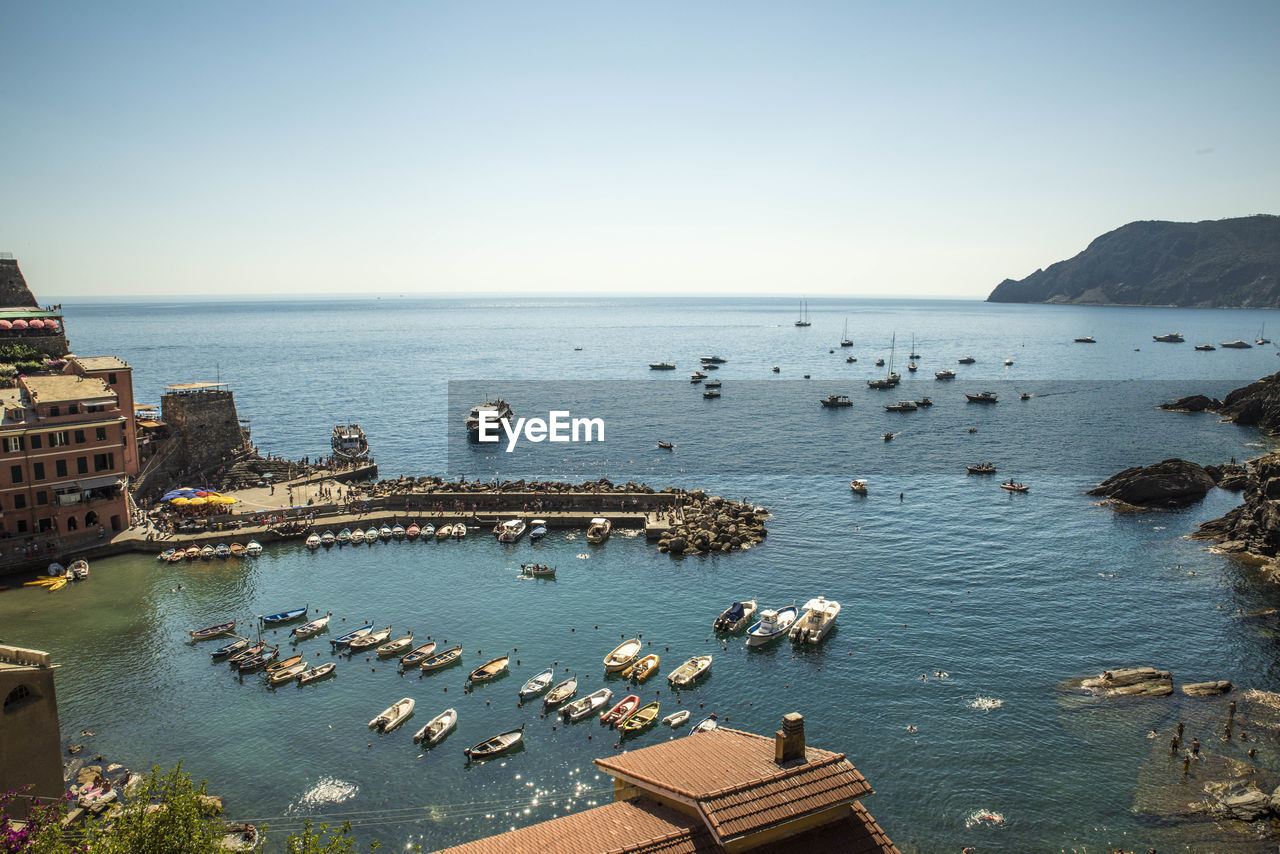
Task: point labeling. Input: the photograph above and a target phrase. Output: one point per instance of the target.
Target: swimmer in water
(911, 728)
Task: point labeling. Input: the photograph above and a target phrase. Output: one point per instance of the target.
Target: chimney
(788, 742)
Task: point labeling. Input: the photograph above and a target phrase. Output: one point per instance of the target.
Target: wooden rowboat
(642, 718)
(623, 710)
(490, 669)
(371, 639)
(537, 684)
(560, 693)
(284, 663)
(395, 647)
(444, 659)
(237, 656)
(230, 649)
(316, 673)
(345, 640)
(622, 655)
(314, 627)
(256, 662)
(499, 744)
(213, 631)
(419, 655)
(286, 674)
(284, 616)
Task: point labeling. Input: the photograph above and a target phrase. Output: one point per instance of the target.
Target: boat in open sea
(982, 397)
(1169, 338)
(833, 401)
(492, 412)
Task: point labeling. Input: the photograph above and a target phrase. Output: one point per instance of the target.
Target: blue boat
(345, 640)
(284, 616)
(538, 530)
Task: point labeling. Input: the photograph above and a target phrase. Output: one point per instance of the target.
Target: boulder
(1206, 689)
(88, 774)
(1194, 403)
(1171, 483)
(209, 804)
(1131, 682)
(1249, 804)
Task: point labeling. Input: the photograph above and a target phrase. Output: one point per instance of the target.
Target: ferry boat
(982, 397)
(946, 374)
(1236, 345)
(350, 443)
(1169, 338)
(497, 410)
(833, 401)
(902, 406)
(817, 620)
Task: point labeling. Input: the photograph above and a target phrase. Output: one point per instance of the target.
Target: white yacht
(818, 618)
(773, 625)
(512, 530)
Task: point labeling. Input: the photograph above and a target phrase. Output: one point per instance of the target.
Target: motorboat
(691, 671)
(967, 360)
(858, 486)
(643, 717)
(442, 660)
(982, 468)
(1087, 339)
(707, 724)
(560, 693)
(384, 533)
(712, 360)
(345, 640)
(924, 402)
(583, 706)
(499, 744)
(624, 709)
(902, 406)
(315, 674)
(661, 366)
(666, 446)
(1024, 396)
(817, 620)
(773, 625)
(885, 383)
(1206, 348)
(736, 617)
(848, 360)
(879, 363)
(623, 654)
(313, 542)
(694, 379)
(537, 684)
(512, 530)
(711, 367)
(349, 443)
(537, 529)
(357, 537)
(834, 401)
(713, 384)
(394, 715)
(538, 570)
(599, 530)
(981, 397)
(711, 393)
(493, 412)
(312, 628)
(282, 617)
(369, 640)
(395, 647)
(344, 536)
(232, 648)
(213, 631)
(397, 532)
(240, 836)
(286, 674)
(946, 374)
(1008, 362)
(418, 655)
(327, 539)
(437, 728)
(1169, 338)
(642, 669)
(1014, 487)
(888, 437)
(676, 719)
(776, 369)
(490, 669)
(1236, 345)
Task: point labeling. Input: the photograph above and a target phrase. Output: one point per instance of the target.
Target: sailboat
(1262, 337)
(804, 315)
(914, 354)
(892, 379)
(844, 339)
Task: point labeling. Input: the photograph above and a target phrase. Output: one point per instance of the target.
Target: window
(102, 462)
(54, 411)
(22, 525)
(111, 379)
(79, 437)
(36, 442)
(37, 471)
(18, 697)
(46, 524)
(102, 434)
(57, 440)
(42, 498)
(60, 467)
(13, 444)
(15, 474)
(82, 465)
(19, 501)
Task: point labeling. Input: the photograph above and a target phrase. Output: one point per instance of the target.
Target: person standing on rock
(1195, 747)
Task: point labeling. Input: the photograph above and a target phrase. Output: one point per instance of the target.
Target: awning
(149, 422)
(100, 482)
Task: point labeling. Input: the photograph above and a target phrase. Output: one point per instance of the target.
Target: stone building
(30, 739)
(22, 320)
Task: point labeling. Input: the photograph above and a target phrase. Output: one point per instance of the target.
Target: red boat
(622, 711)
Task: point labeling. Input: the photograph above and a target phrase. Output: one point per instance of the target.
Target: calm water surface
(1009, 595)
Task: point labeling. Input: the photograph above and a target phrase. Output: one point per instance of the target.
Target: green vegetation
(16, 351)
(168, 814)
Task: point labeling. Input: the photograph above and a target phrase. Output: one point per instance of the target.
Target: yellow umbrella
(180, 501)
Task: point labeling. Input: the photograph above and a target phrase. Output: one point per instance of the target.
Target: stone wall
(14, 292)
(206, 427)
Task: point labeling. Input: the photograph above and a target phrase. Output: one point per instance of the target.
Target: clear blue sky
(802, 148)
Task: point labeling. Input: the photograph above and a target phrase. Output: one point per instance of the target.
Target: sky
(669, 148)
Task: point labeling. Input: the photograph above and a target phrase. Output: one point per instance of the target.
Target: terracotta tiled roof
(637, 826)
(733, 780)
(856, 833)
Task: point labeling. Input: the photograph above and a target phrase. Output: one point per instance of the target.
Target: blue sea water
(1007, 594)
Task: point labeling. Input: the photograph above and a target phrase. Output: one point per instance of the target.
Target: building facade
(30, 738)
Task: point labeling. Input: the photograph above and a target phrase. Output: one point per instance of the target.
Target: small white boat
(312, 628)
(398, 532)
(253, 549)
(444, 532)
(428, 531)
(583, 706)
(773, 625)
(313, 542)
(947, 374)
(207, 553)
(736, 617)
(859, 487)
(818, 618)
(689, 672)
(676, 719)
(371, 535)
(512, 530)
(622, 655)
(327, 539)
(437, 728)
(537, 684)
(394, 715)
(599, 530)
(537, 529)
(357, 537)
(459, 531)
(707, 724)
(79, 569)
(222, 551)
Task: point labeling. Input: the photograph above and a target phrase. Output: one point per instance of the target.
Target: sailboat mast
(892, 344)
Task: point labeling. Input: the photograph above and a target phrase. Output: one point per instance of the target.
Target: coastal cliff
(1254, 526)
(1210, 264)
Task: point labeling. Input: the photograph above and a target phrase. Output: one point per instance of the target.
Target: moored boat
(676, 719)
(232, 648)
(207, 553)
(583, 706)
(192, 553)
(1236, 345)
(345, 640)
(286, 674)
(560, 693)
(282, 617)
(384, 533)
(245, 653)
(982, 397)
(499, 744)
(817, 620)
(707, 724)
(312, 542)
(79, 569)
(418, 655)
(277, 666)
(428, 531)
(967, 360)
(395, 647)
(625, 707)
(773, 625)
(213, 631)
(437, 728)
(371, 536)
(642, 669)
(222, 551)
(398, 532)
(537, 684)
(691, 671)
(369, 640)
(412, 531)
(443, 659)
(901, 406)
(312, 628)
(490, 669)
(1206, 348)
(344, 536)
(643, 717)
(537, 529)
(315, 674)
(444, 532)
(394, 715)
(459, 530)
(327, 539)
(512, 530)
(947, 374)
(1169, 338)
(599, 530)
(238, 550)
(736, 617)
(661, 366)
(253, 549)
(835, 401)
(623, 654)
(257, 662)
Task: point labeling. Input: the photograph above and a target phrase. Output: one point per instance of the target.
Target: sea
(964, 607)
